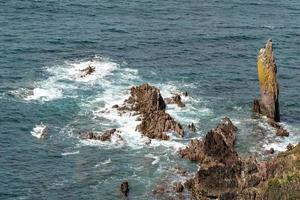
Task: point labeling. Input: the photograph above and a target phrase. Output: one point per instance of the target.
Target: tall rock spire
(267, 74)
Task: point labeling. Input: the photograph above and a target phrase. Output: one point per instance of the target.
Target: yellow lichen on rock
(267, 75)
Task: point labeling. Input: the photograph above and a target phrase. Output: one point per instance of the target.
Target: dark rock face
(268, 105)
(97, 136)
(147, 101)
(124, 188)
(222, 172)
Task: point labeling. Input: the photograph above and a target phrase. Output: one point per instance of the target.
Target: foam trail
(70, 153)
(103, 163)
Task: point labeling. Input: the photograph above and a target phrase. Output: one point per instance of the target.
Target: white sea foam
(65, 79)
(103, 163)
(39, 131)
(280, 143)
(156, 159)
(70, 153)
(45, 94)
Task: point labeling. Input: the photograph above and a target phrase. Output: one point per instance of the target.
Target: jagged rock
(147, 101)
(289, 147)
(222, 174)
(97, 136)
(87, 71)
(178, 187)
(225, 175)
(157, 123)
(192, 127)
(267, 74)
(218, 145)
(124, 188)
(282, 132)
(175, 100)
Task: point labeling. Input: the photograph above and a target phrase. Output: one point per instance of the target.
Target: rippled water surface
(207, 48)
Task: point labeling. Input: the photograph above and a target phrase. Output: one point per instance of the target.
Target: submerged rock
(267, 74)
(147, 101)
(192, 127)
(175, 100)
(105, 136)
(87, 71)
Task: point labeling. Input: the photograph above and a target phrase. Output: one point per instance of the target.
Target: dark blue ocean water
(207, 48)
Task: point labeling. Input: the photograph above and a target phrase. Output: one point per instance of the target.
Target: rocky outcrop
(283, 174)
(267, 74)
(222, 174)
(106, 136)
(217, 146)
(147, 101)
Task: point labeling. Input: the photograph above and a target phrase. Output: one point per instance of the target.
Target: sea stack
(267, 74)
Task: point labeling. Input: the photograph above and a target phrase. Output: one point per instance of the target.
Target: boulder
(270, 151)
(268, 104)
(282, 132)
(124, 188)
(289, 147)
(178, 187)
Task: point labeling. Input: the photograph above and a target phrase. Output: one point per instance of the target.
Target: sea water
(206, 48)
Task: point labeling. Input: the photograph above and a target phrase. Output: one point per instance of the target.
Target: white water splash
(39, 131)
(64, 80)
(70, 153)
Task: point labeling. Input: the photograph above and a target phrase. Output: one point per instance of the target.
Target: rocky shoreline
(223, 173)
